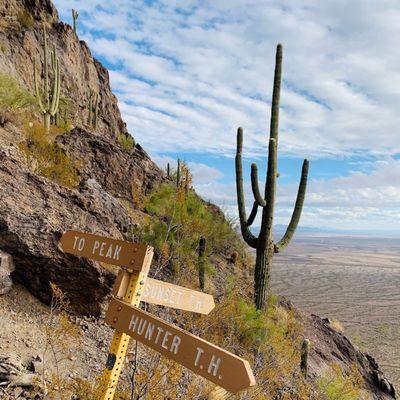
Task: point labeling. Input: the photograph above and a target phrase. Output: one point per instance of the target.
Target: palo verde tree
(264, 243)
(51, 95)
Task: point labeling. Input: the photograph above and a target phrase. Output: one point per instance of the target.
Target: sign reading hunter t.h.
(213, 363)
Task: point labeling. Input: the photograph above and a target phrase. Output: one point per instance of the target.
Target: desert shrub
(62, 338)
(25, 19)
(13, 98)
(178, 219)
(337, 385)
(336, 325)
(47, 158)
(126, 141)
(270, 341)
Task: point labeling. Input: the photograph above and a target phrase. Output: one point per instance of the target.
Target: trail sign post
(99, 248)
(167, 294)
(211, 362)
(132, 286)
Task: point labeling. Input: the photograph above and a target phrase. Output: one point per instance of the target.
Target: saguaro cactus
(51, 96)
(202, 249)
(178, 174)
(93, 101)
(75, 16)
(264, 243)
(305, 350)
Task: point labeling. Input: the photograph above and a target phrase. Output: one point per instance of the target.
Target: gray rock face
(6, 267)
(118, 171)
(34, 212)
(330, 346)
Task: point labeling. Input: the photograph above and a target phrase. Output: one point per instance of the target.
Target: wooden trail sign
(167, 294)
(99, 248)
(120, 341)
(213, 363)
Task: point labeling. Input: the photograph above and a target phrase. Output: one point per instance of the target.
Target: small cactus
(51, 96)
(75, 16)
(93, 101)
(305, 350)
(234, 257)
(178, 174)
(201, 263)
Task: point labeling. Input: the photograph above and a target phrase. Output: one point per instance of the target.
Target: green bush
(179, 219)
(12, 95)
(336, 385)
(25, 20)
(126, 142)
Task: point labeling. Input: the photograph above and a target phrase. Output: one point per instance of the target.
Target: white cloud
(187, 74)
(359, 200)
(210, 69)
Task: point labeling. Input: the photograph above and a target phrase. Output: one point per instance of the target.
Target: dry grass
(46, 157)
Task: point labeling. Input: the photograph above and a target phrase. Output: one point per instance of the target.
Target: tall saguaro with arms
(264, 243)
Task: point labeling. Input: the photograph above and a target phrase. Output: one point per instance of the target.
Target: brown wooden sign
(111, 251)
(213, 363)
(168, 295)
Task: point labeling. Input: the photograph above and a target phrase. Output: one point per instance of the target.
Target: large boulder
(34, 212)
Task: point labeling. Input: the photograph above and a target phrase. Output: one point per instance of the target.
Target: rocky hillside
(35, 210)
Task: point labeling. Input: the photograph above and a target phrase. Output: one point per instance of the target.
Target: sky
(187, 74)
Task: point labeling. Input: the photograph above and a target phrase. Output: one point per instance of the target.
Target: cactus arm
(270, 189)
(75, 16)
(55, 98)
(253, 214)
(90, 108)
(37, 91)
(46, 69)
(248, 237)
(254, 186)
(276, 95)
(96, 109)
(296, 212)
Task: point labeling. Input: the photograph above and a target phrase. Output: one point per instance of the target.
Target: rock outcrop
(332, 347)
(119, 171)
(34, 212)
(80, 72)
(6, 267)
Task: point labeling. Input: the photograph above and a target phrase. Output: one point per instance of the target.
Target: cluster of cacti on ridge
(264, 243)
(48, 105)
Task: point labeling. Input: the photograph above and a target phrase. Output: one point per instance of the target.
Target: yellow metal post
(129, 287)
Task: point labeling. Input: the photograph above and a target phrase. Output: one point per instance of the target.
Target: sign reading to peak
(99, 248)
(211, 362)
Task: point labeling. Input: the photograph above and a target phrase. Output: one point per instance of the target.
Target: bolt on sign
(211, 362)
(132, 286)
(167, 295)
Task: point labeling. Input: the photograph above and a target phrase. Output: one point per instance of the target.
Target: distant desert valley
(355, 280)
